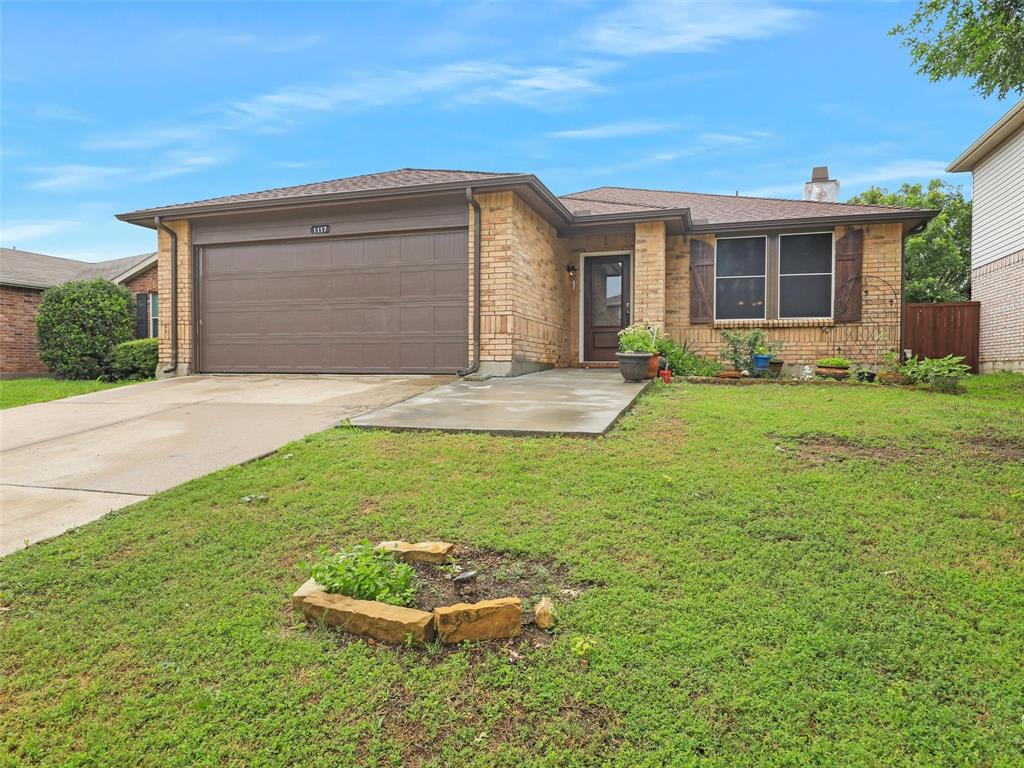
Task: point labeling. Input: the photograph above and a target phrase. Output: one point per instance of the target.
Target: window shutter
(702, 282)
(141, 315)
(849, 282)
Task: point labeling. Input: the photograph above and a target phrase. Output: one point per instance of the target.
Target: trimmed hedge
(134, 359)
(78, 325)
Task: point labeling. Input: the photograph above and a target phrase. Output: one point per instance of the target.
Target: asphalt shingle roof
(38, 270)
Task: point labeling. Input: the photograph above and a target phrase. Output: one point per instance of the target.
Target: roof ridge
(444, 170)
(617, 202)
(744, 197)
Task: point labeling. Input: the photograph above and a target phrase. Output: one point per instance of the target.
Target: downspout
(475, 364)
(173, 366)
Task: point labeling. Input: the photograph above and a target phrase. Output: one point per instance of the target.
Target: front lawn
(778, 576)
(15, 392)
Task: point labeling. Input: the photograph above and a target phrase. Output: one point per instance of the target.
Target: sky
(108, 108)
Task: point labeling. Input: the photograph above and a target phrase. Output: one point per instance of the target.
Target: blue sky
(110, 108)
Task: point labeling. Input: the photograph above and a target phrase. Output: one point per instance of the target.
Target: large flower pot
(653, 365)
(892, 377)
(761, 362)
(832, 373)
(634, 365)
(776, 367)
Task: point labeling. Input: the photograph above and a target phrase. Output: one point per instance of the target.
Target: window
(740, 269)
(805, 275)
(154, 315)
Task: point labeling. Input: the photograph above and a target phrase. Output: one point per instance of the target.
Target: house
(25, 275)
(424, 271)
(996, 161)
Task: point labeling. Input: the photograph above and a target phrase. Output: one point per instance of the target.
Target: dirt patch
(819, 448)
(996, 446)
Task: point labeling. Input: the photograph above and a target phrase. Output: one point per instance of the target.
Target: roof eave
(15, 283)
(136, 269)
(913, 218)
(989, 140)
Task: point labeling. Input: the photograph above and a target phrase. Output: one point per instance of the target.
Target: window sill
(800, 323)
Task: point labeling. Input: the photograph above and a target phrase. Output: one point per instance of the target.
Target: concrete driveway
(68, 462)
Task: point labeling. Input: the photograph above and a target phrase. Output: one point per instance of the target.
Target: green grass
(781, 576)
(15, 392)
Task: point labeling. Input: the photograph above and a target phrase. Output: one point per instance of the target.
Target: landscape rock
(544, 613)
(465, 583)
(435, 552)
(486, 620)
(305, 591)
(387, 623)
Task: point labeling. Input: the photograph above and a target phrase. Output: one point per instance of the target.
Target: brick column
(184, 288)
(649, 273)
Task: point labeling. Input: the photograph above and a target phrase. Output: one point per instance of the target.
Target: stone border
(751, 380)
(484, 620)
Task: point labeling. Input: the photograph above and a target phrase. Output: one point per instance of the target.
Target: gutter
(475, 364)
(173, 366)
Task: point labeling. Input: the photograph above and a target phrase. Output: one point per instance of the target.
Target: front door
(606, 299)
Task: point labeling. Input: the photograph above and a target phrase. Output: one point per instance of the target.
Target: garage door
(389, 304)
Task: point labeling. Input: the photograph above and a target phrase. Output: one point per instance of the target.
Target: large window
(805, 275)
(740, 271)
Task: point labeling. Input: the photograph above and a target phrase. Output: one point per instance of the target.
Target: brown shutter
(849, 283)
(702, 282)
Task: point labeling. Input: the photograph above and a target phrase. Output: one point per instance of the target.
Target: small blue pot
(761, 362)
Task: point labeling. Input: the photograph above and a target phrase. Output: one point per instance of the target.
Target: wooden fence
(947, 328)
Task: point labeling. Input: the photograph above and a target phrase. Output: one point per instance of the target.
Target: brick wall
(147, 282)
(183, 230)
(999, 286)
(863, 342)
(19, 354)
(649, 273)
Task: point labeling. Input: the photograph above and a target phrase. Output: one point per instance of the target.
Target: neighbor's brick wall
(524, 290)
(999, 286)
(649, 273)
(864, 342)
(146, 282)
(184, 232)
(19, 353)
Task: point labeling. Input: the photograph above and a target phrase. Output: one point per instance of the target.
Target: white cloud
(206, 39)
(687, 26)
(720, 139)
(147, 138)
(175, 164)
(292, 164)
(614, 130)
(29, 230)
(67, 177)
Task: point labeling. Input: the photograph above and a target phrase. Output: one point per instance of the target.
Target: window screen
(154, 315)
(805, 275)
(740, 278)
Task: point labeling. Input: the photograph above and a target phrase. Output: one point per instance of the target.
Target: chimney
(821, 189)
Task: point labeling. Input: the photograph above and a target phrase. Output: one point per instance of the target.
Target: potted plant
(837, 368)
(863, 374)
(636, 352)
(775, 366)
(762, 357)
(890, 373)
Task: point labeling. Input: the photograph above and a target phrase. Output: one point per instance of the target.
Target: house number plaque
(320, 229)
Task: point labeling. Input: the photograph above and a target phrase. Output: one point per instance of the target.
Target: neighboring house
(25, 275)
(376, 273)
(996, 161)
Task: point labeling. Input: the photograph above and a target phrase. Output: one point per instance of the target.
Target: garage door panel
(396, 303)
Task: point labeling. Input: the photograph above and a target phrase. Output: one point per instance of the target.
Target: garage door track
(67, 462)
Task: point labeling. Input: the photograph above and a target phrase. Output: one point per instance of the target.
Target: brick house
(996, 162)
(379, 273)
(25, 275)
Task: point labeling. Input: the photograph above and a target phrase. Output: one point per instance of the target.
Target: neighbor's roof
(591, 207)
(1006, 126)
(36, 270)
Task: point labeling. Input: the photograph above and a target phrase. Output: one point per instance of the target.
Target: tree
(981, 39)
(937, 262)
(79, 323)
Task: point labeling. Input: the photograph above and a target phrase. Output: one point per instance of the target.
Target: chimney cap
(820, 173)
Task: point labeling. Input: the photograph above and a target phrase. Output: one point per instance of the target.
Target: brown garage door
(390, 304)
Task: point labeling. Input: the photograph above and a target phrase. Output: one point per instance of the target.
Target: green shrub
(638, 337)
(939, 370)
(79, 323)
(134, 360)
(834, 362)
(366, 573)
(682, 361)
(741, 345)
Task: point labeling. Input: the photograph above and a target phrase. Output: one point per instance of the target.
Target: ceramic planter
(634, 365)
(775, 366)
(729, 374)
(761, 362)
(653, 366)
(832, 373)
(865, 376)
(892, 377)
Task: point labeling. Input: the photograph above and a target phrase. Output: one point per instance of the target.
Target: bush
(134, 360)
(834, 362)
(932, 371)
(682, 361)
(366, 573)
(740, 347)
(638, 337)
(79, 323)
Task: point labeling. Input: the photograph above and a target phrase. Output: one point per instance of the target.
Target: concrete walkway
(67, 462)
(567, 401)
